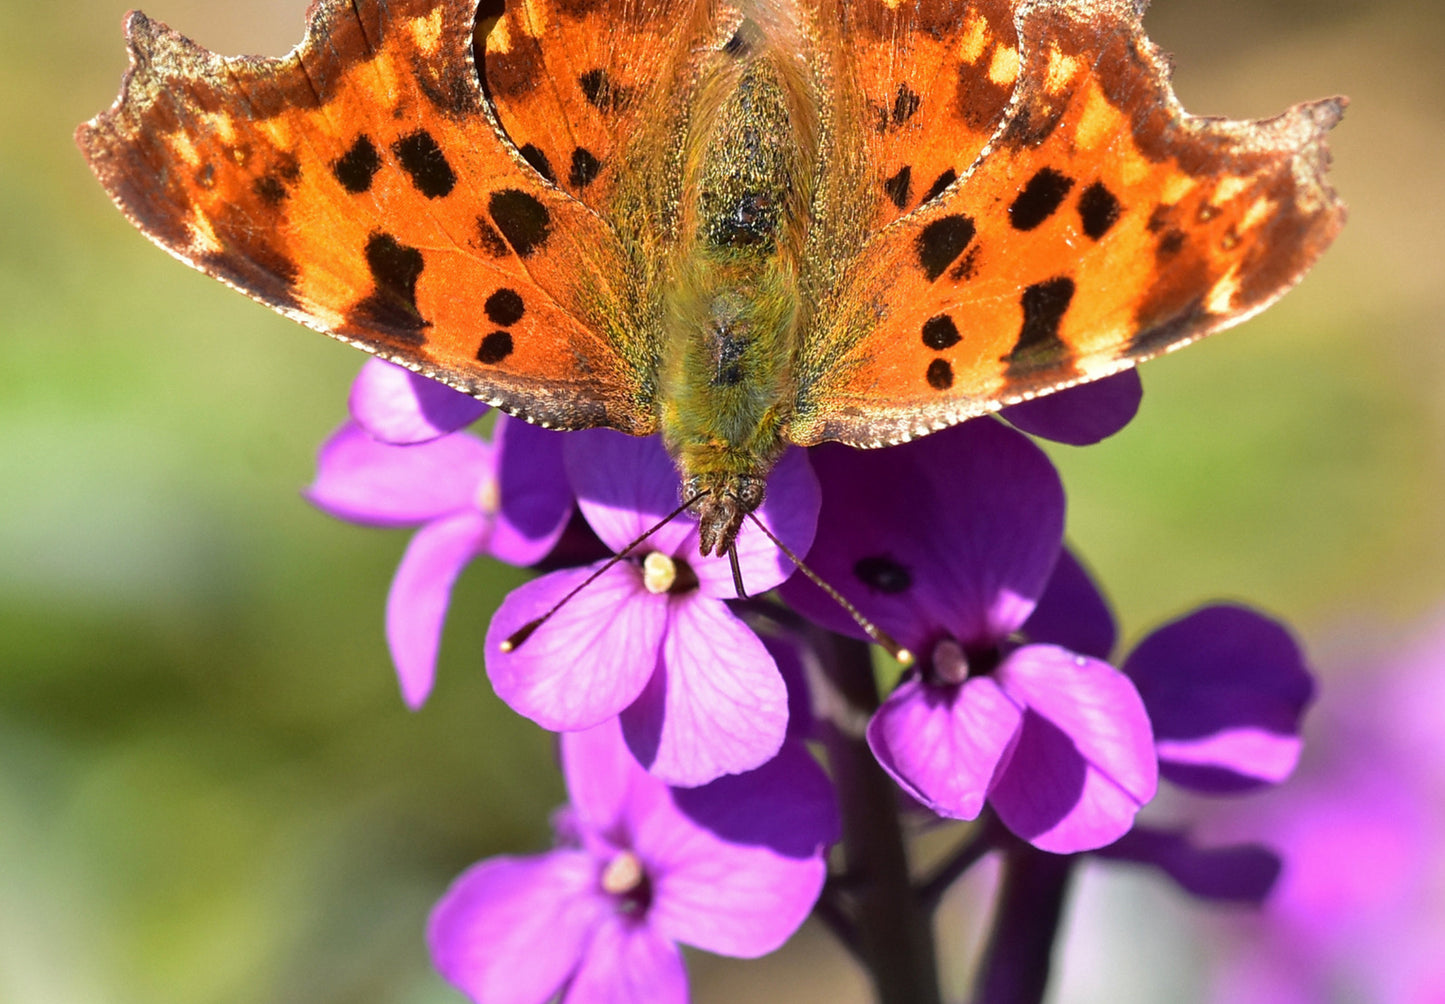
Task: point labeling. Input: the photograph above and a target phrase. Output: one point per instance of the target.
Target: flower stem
(1015, 964)
(894, 935)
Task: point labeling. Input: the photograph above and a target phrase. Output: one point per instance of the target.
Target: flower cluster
(697, 815)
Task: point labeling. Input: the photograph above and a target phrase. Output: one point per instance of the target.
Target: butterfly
(743, 224)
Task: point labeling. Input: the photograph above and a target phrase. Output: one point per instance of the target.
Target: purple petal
(416, 607)
(786, 805)
(542, 909)
(362, 480)
(1084, 763)
(395, 405)
(1240, 873)
(956, 532)
(733, 885)
(944, 745)
(608, 789)
(1083, 414)
(628, 963)
(786, 653)
(717, 707)
(1072, 613)
(590, 660)
(534, 495)
(625, 485)
(1226, 688)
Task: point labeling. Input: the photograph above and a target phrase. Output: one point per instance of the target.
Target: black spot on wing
(1169, 244)
(391, 306)
(523, 221)
(489, 241)
(940, 333)
(268, 189)
(1044, 305)
(882, 573)
(906, 103)
(601, 93)
(533, 155)
(585, 168)
(355, 168)
(505, 307)
(495, 347)
(1098, 210)
(940, 243)
(1040, 198)
(898, 187)
(940, 374)
(939, 184)
(425, 164)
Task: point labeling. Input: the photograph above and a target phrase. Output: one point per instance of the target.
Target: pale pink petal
(944, 745)
(362, 480)
(513, 930)
(395, 405)
(590, 660)
(718, 707)
(629, 963)
(416, 607)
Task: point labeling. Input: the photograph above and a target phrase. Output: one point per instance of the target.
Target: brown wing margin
(361, 186)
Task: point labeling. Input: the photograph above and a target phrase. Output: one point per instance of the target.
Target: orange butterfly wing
(361, 185)
(1101, 226)
(907, 84)
(595, 96)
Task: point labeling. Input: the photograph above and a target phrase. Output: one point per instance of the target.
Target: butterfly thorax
(732, 304)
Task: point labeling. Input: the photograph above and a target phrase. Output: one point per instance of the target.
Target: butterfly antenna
(517, 638)
(737, 571)
(873, 631)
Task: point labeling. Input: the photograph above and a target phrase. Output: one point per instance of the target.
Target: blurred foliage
(209, 789)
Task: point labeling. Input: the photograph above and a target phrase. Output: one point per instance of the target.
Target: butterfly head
(723, 501)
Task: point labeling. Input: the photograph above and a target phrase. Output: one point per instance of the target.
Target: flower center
(625, 879)
(489, 500)
(662, 573)
(950, 662)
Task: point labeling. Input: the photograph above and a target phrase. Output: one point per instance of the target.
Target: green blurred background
(210, 790)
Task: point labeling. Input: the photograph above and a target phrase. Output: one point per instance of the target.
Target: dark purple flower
(652, 638)
(948, 543)
(1083, 414)
(508, 498)
(732, 868)
(1225, 688)
(395, 405)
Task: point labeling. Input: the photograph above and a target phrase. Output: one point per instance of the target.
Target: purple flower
(732, 868)
(398, 406)
(652, 638)
(508, 499)
(1083, 414)
(1225, 688)
(948, 543)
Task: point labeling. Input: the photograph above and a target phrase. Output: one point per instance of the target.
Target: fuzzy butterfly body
(740, 224)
